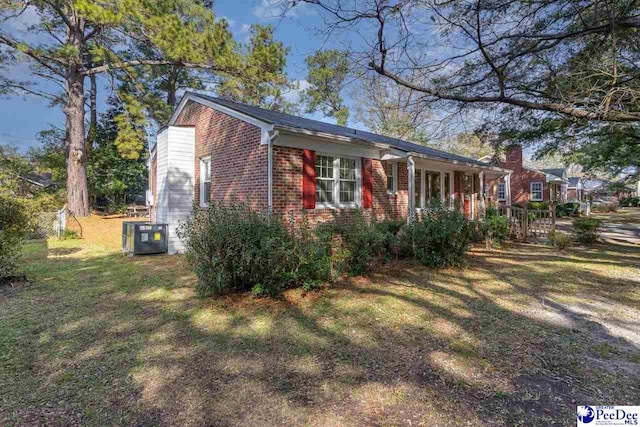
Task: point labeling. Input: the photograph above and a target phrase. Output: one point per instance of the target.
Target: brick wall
(287, 192)
(521, 178)
(238, 161)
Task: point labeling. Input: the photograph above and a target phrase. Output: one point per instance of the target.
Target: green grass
(517, 337)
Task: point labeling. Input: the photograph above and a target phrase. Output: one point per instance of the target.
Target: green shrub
(69, 235)
(441, 238)
(568, 209)
(496, 228)
(476, 231)
(234, 248)
(15, 225)
(363, 242)
(543, 206)
(630, 202)
(586, 229)
(559, 240)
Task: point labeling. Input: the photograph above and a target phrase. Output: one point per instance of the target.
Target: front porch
(456, 184)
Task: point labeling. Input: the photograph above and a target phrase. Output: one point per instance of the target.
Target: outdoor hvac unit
(141, 238)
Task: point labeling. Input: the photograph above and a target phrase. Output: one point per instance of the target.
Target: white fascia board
(325, 145)
(458, 163)
(334, 138)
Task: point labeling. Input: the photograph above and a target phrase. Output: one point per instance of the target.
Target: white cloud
(293, 96)
(231, 22)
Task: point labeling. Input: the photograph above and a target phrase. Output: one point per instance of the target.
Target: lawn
(519, 336)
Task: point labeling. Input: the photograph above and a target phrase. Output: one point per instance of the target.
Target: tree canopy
(75, 40)
(327, 72)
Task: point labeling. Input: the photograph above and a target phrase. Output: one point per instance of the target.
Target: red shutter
(367, 184)
(308, 179)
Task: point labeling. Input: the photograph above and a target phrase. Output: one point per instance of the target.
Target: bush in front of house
(440, 239)
(587, 229)
(630, 202)
(568, 209)
(559, 240)
(541, 206)
(15, 225)
(233, 248)
(495, 227)
(363, 242)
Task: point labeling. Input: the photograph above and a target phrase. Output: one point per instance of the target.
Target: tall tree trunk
(93, 110)
(172, 83)
(77, 194)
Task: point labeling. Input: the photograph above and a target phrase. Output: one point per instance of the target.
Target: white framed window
(337, 181)
(535, 189)
(502, 191)
(205, 181)
(429, 189)
(391, 170)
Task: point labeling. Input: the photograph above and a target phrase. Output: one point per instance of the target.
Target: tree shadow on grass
(126, 341)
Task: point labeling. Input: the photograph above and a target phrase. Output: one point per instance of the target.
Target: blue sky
(21, 118)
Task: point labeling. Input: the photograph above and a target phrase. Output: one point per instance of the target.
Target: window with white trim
(502, 191)
(205, 181)
(391, 170)
(347, 181)
(324, 179)
(336, 181)
(535, 189)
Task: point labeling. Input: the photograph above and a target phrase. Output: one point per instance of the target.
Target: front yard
(518, 337)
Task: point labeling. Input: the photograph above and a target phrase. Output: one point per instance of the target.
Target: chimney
(514, 158)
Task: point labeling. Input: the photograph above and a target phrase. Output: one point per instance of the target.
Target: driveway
(619, 227)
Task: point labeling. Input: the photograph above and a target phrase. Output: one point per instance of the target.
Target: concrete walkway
(620, 227)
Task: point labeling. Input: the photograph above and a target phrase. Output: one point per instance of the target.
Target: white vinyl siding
(175, 179)
(535, 190)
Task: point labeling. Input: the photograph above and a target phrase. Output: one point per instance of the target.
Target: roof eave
(461, 163)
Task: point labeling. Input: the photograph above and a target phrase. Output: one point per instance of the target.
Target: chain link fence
(49, 224)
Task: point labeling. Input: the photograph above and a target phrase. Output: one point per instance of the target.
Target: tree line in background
(559, 75)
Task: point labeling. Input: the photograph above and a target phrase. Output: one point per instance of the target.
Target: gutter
(461, 163)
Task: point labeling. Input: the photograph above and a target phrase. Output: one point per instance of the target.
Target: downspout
(272, 135)
(411, 168)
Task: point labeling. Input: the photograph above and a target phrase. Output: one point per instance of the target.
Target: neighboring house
(218, 150)
(526, 184)
(575, 189)
(599, 189)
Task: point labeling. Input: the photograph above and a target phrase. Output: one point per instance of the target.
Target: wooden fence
(525, 222)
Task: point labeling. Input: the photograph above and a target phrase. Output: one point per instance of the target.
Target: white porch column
(411, 169)
(482, 206)
(442, 199)
(452, 195)
(507, 189)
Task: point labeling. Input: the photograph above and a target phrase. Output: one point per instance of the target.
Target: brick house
(525, 184)
(214, 149)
